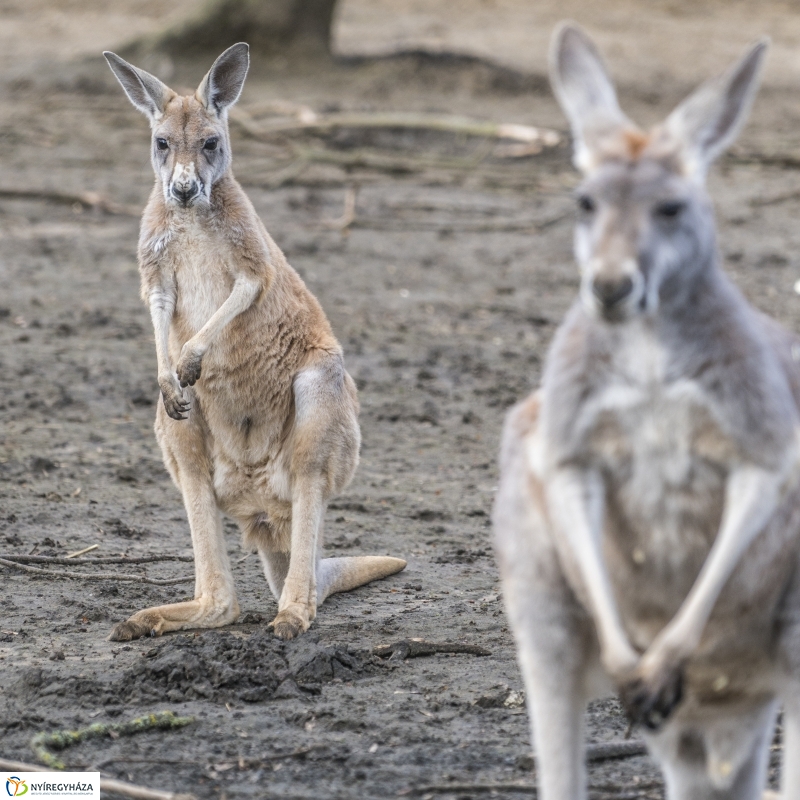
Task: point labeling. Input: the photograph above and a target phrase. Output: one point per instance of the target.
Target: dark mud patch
(218, 667)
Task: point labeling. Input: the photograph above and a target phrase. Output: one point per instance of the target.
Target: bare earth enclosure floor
(444, 293)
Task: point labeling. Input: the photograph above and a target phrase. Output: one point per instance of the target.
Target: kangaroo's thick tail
(343, 574)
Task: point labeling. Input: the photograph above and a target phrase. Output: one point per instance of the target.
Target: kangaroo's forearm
(575, 501)
(244, 293)
(162, 309)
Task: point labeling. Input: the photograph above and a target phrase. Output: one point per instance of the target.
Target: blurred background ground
(444, 290)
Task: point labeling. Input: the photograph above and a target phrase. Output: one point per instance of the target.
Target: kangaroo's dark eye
(162, 144)
(210, 144)
(586, 204)
(670, 209)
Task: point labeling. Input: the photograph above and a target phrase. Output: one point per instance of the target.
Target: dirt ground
(444, 294)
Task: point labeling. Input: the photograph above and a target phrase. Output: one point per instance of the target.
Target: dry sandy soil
(444, 295)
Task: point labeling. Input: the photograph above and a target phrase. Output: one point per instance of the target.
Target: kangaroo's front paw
(291, 622)
(174, 403)
(189, 364)
(650, 700)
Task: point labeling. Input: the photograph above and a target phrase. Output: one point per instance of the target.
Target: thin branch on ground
(349, 214)
(20, 559)
(82, 551)
(768, 159)
(481, 227)
(446, 123)
(106, 784)
(606, 791)
(419, 648)
(93, 576)
(86, 200)
(447, 788)
(775, 199)
(605, 751)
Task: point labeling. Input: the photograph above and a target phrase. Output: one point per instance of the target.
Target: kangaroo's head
(645, 226)
(191, 145)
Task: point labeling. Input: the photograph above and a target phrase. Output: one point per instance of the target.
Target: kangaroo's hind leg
(556, 645)
(323, 446)
(183, 444)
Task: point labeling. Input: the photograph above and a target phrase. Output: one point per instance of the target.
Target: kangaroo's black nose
(611, 291)
(184, 192)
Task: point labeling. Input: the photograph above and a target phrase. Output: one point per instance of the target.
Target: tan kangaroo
(647, 521)
(259, 417)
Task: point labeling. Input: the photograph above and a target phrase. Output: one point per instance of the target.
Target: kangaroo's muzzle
(612, 291)
(184, 186)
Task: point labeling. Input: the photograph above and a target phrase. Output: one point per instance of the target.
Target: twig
(94, 576)
(609, 791)
(442, 788)
(93, 200)
(349, 215)
(771, 160)
(605, 751)
(394, 119)
(82, 552)
(481, 227)
(22, 559)
(164, 720)
(419, 648)
(106, 784)
(775, 199)
(397, 165)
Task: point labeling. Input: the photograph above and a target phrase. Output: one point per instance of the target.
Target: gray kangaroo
(260, 418)
(648, 516)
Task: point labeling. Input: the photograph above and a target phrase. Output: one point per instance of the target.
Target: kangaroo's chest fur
(203, 266)
(664, 452)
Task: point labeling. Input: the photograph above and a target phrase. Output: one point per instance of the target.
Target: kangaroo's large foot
(292, 621)
(198, 613)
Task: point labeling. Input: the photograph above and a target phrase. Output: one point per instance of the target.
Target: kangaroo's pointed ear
(222, 85)
(585, 92)
(709, 120)
(144, 90)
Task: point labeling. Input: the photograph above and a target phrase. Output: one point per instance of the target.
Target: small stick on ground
(106, 784)
(420, 648)
(607, 791)
(605, 751)
(348, 217)
(446, 123)
(82, 552)
(447, 788)
(94, 576)
(22, 559)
